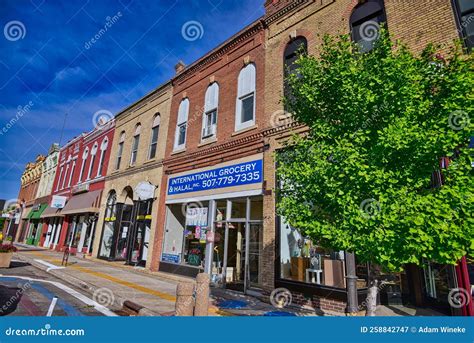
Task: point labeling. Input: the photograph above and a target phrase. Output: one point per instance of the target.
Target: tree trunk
(373, 290)
(371, 301)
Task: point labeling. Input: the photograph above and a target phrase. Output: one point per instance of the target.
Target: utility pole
(351, 285)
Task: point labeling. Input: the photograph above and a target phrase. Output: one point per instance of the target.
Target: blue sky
(50, 66)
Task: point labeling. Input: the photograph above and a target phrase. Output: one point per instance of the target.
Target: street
(28, 291)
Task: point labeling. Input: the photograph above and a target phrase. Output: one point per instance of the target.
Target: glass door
(255, 246)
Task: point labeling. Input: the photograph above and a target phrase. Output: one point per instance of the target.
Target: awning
(83, 203)
(50, 212)
(36, 214)
(26, 212)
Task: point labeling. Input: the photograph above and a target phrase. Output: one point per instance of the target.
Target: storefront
(24, 225)
(214, 223)
(79, 225)
(35, 224)
(127, 225)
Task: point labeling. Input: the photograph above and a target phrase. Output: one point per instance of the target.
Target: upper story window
(211, 102)
(136, 141)
(73, 168)
(293, 50)
(464, 10)
(91, 165)
(85, 154)
(103, 150)
(154, 136)
(181, 125)
(365, 23)
(120, 150)
(59, 178)
(245, 110)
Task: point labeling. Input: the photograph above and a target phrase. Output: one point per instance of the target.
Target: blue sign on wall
(170, 258)
(234, 175)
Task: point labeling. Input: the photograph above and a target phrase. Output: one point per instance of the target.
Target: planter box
(5, 259)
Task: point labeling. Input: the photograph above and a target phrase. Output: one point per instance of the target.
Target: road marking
(49, 265)
(102, 309)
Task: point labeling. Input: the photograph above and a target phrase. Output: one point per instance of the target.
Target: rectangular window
(101, 163)
(210, 121)
(465, 14)
(119, 155)
(133, 158)
(91, 167)
(72, 173)
(181, 134)
(247, 108)
(154, 142)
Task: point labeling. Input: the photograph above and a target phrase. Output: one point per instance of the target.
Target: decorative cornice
(134, 170)
(221, 50)
(287, 9)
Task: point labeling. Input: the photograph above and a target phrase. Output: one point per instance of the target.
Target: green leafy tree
(361, 178)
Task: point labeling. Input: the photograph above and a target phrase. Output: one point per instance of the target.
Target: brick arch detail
(309, 35)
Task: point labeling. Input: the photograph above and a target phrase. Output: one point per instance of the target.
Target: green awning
(35, 214)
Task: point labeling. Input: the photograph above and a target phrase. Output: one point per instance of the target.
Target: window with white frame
(120, 150)
(181, 125)
(66, 172)
(72, 173)
(136, 141)
(103, 149)
(59, 178)
(245, 109)
(85, 154)
(154, 136)
(211, 102)
(91, 166)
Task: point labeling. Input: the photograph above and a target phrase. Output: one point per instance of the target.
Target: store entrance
(238, 244)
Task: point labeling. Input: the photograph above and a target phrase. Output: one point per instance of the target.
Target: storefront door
(238, 245)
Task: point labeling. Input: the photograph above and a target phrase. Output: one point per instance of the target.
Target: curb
(90, 288)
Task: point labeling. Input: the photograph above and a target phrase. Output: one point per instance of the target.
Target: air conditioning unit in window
(208, 131)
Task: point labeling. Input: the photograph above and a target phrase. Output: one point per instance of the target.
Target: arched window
(73, 168)
(211, 102)
(103, 149)
(120, 150)
(155, 129)
(365, 23)
(111, 205)
(59, 179)
(136, 141)
(91, 165)
(464, 11)
(245, 109)
(85, 154)
(181, 125)
(293, 50)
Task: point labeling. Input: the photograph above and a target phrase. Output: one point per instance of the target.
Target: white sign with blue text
(233, 175)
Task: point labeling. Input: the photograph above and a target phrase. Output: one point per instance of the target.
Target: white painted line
(102, 309)
(49, 265)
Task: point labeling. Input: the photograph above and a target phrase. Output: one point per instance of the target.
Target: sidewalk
(109, 285)
(147, 293)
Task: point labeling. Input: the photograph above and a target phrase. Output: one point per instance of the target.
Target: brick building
(211, 208)
(129, 209)
(77, 190)
(27, 195)
(293, 25)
